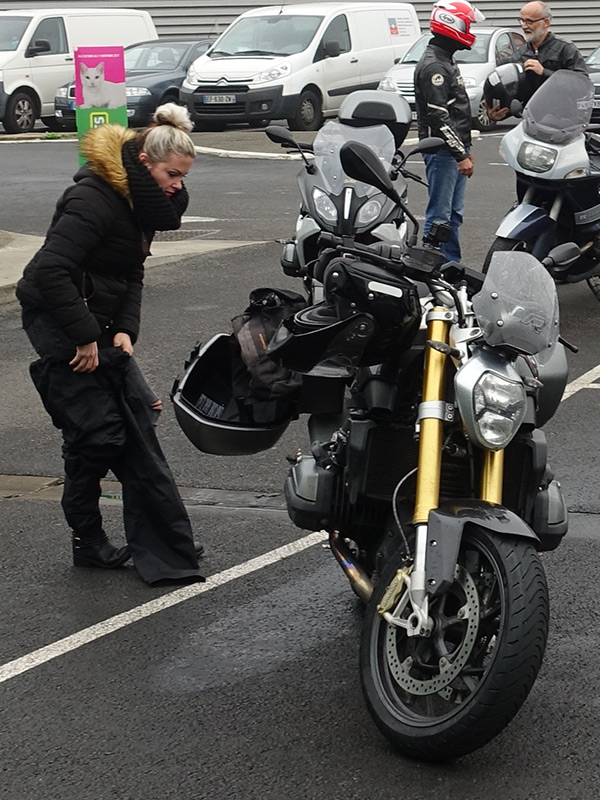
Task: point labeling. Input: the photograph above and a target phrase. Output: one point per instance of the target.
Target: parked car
(493, 46)
(593, 65)
(154, 71)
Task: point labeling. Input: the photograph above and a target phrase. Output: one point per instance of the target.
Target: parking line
(585, 381)
(34, 659)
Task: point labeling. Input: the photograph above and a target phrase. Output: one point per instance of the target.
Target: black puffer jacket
(443, 107)
(89, 272)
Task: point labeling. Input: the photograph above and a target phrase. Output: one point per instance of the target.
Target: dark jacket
(553, 54)
(443, 107)
(88, 274)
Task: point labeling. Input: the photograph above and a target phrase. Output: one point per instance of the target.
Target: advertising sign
(99, 87)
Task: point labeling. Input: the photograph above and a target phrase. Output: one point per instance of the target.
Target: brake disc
(448, 667)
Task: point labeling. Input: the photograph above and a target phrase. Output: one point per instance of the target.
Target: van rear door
(52, 68)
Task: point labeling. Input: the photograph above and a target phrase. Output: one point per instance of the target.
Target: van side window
(53, 30)
(336, 31)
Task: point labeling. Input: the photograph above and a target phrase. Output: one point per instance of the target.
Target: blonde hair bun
(172, 114)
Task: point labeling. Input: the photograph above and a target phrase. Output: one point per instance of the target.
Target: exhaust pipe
(361, 583)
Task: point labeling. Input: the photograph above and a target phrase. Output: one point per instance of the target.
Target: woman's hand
(86, 358)
(123, 340)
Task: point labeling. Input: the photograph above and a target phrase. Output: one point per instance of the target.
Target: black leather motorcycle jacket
(553, 54)
(443, 107)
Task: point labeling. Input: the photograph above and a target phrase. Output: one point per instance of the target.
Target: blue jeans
(446, 198)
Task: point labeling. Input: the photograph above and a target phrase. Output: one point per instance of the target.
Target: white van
(36, 54)
(296, 62)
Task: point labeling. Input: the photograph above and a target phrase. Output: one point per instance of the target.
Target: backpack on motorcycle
(262, 390)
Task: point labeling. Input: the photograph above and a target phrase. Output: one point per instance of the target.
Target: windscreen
(327, 144)
(273, 35)
(560, 110)
(517, 305)
(159, 56)
(11, 32)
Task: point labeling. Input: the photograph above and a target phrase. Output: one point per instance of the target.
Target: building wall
(578, 21)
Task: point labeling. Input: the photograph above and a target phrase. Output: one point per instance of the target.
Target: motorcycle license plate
(218, 98)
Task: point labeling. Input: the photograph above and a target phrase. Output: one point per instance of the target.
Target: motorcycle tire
(594, 284)
(502, 245)
(441, 697)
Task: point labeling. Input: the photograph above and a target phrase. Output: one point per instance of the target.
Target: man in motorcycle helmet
(542, 54)
(443, 109)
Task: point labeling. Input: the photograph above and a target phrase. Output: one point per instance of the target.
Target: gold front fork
(431, 427)
(491, 476)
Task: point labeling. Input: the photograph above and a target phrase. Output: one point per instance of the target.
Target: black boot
(98, 552)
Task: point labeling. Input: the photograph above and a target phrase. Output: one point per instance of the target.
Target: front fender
(445, 529)
(525, 222)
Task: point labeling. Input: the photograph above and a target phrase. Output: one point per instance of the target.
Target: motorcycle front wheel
(502, 245)
(441, 697)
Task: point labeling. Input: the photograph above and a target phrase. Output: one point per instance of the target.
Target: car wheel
(309, 115)
(20, 113)
(482, 122)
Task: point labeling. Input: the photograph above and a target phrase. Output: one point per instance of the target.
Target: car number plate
(71, 105)
(597, 103)
(414, 116)
(218, 98)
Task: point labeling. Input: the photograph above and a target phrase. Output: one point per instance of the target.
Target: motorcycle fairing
(525, 222)
(445, 527)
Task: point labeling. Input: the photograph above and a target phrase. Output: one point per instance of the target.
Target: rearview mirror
(362, 164)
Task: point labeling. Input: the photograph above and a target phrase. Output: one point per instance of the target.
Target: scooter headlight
(368, 212)
(491, 399)
(536, 157)
(324, 206)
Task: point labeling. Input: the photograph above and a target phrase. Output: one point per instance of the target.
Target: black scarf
(151, 206)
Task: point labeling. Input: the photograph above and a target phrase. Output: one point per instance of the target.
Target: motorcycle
(330, 200)
(428, 466)
(557, 164)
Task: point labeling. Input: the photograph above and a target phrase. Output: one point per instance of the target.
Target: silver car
(493, 46)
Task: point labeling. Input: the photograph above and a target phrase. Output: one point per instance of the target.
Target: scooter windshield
(560, 110)
(518, 306)
(327, 145)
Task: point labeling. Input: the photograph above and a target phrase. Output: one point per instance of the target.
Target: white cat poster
(99, 87)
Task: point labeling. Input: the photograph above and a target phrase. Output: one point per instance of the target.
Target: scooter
(334, 203)
(557, 164)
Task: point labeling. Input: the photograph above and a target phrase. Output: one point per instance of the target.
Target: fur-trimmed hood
(101, 147)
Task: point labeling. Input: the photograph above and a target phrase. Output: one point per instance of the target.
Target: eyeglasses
(531, 21)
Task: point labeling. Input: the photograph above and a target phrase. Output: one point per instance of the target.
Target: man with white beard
(542, 54)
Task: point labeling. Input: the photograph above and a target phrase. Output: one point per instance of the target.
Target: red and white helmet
(453, 18)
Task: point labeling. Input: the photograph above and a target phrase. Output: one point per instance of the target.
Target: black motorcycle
(428, 466)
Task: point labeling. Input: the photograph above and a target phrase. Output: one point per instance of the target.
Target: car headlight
(62, 91)
(324, 206)
(368, 212)
(191, 77)
(137, 91)
(386, 84)
(469, 83)
(273, 74)
(536, 157)
(491, 399)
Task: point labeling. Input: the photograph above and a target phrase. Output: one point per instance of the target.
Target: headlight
(62, 91)
(368, 212)
(387, 84)
(192, 76)
(273, 74)
(536, 158)
(491, 399)
(324, 206)
(137, 91)
(469, 83)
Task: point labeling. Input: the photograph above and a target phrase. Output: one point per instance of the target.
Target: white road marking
(585, 381)
(34, 659)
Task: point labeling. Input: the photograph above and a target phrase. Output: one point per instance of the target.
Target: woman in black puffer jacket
(81, 296)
